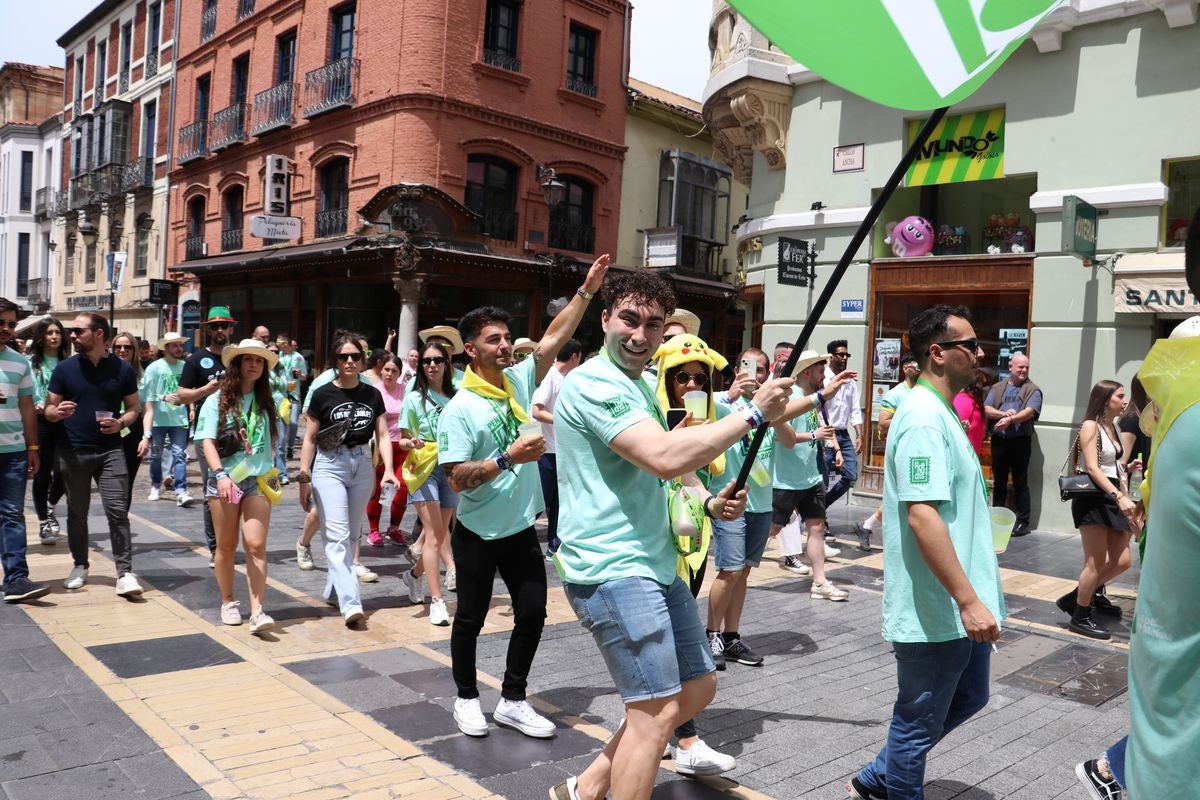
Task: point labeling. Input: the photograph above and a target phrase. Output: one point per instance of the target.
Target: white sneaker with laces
(184, 500)
(700, 759)
(365, 575)
(154, 495)
(416, 594)
(469, 716)
(438, 613)
(520, 715)
(794, 564)
(128, 586)
(832, 552)
(261, 622)
(827, 591)
(304, 557)
(231, 613)
(77, 578)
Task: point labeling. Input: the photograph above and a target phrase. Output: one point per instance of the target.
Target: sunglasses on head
(343, 357)
(684, 378)
(430, 360)
(78, 331)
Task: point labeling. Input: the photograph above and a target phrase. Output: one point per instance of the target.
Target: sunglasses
(122, 347)
(343, 357)
(78, 331)
(971, 344)
(684, 378)
(433, 360)
(220, 326)
(840, 355)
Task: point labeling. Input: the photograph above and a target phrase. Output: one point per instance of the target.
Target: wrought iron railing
(331, 86)
(208, 23)
(137, 174)
(194, 247)
(123, 81)
(98, 91)
(582, 87)
(61, 203)
(500, 224)
(77, 106)
(228, 127)
(231, 239)
(331, 222)
(38, 290)
(193, 141)
(274, 108)
(43, 201)
(566, 236)
(245, 9)
(106, 181)
(498, 58)
(151, 63)
(81, 191)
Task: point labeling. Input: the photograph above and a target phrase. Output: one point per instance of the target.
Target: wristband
(504, 461)
(707, 509)
(220, 474)
(584, 293)
(820, 397)
(752, 414)
(33, 448)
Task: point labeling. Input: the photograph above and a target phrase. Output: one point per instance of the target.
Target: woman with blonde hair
(125, 347)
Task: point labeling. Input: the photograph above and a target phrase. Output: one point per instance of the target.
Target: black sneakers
(738, 651)
(22, 589)
(1082, 623)
(716, 646)
(856, 791)
(1098, 786)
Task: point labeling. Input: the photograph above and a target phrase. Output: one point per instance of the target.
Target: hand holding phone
(235, 494)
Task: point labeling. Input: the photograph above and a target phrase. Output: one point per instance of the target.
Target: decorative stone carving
(405, 258)
(409, 287)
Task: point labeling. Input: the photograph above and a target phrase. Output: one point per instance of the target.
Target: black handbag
(1078, 484)
(229, 443)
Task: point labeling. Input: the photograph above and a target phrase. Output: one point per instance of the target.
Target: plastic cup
(696, 402)
(103, 415)
(529, 430)
(1003, 520)
(759, 473)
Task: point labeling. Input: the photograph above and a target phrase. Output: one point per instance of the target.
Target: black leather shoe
(1102, 605)
(1021, 530)
(1082, 623)
(1066, 603)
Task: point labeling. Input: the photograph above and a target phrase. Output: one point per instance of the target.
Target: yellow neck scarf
(474, 383)
(1171, 375)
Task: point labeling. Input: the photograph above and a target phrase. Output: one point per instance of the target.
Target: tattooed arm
(470, 474)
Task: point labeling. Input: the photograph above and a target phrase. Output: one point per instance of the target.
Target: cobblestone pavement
(103, 697)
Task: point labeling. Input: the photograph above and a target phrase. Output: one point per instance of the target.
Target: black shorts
(808, 503)
(1098, 511)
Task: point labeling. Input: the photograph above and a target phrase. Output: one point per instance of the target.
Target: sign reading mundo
(963, 147)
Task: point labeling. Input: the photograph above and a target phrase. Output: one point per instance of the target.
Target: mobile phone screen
(675, 416)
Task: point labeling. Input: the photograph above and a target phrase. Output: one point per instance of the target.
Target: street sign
(163, 293)
(1079, 229)
(268, 227)
(793, 262)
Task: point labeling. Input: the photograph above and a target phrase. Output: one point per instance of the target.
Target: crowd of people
(633, 456)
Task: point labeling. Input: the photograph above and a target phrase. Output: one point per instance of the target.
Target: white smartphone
(748, 366)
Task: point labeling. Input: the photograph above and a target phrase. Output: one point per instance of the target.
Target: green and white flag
(909, 54)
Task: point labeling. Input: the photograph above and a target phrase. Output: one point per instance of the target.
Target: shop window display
(1183, 195)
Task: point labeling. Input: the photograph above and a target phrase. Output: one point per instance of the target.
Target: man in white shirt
(568, 358)
(844, 411)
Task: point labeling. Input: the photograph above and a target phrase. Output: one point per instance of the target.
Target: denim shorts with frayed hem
(649, 634)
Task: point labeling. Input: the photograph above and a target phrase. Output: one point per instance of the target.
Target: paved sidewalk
(106, 697)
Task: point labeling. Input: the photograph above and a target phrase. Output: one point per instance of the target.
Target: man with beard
(87, 393)
(942, 600)
(201, 377)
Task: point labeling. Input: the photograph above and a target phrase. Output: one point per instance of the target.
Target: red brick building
(417, 137)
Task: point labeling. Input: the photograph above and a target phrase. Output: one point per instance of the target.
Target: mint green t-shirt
(41, 377)
(758, 498)
(159, 380)
(798, 468)
(16, 381)
(261, 459)
(613, 516)
(894, 396)
(289, 363)
(930, 459)
(419, 415)
(474, 428)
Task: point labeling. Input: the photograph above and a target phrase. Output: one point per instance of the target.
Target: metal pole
(839, 272)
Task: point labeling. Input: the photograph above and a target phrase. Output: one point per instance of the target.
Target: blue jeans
(841, 479)
(13, 475)
(281, 448)
(176, 439)
(941, 686)
(342, 483)
(1116, 760)
(294, 422)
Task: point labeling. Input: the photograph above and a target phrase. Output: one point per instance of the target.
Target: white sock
(870, 523)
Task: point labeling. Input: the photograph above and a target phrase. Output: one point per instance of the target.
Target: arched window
(571, 225)
(195, 238)
(232, 218)
(492, 193)
(333, 180)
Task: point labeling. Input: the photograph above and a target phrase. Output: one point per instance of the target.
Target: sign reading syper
(1079, 229)
(276, 223)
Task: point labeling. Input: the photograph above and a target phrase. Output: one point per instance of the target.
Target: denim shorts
(249, 487)
(436, 489)
(649, 634)
(740, 543)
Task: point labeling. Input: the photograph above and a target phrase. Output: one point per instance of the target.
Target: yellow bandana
(1171, 375)
(474, 383)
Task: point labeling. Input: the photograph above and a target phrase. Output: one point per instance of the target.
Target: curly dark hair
(230, 405)
(472, 323)
(641, 286)
(37, 348)
(931, 325)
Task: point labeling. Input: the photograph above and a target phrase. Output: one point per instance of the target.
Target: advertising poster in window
(878, 390)
(887, 360)
(1012, 341)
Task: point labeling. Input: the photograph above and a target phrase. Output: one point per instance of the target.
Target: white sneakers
(794, 564)
(128, 586)
(77, 578)
(416, 593)
(438, 614)
(451, 581)
(365, 575)
(353, 616)
(827, 591)
(700, 759)
(261, 622)
(512, 714)
(304, 557)
(469, 717)
(184, 500)
(230, 614)
(154, 495)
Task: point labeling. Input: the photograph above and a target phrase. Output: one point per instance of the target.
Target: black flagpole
(831, 285)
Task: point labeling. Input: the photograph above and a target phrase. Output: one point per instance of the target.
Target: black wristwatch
(504, 461)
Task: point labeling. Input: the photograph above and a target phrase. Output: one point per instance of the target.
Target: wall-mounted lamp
(88, 232)
(817, 206)
(52, 245)
(553, 189)
(145, 222)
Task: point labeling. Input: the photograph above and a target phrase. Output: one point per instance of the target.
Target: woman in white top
(1103, 520)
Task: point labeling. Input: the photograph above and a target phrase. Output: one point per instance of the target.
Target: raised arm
(564, 325)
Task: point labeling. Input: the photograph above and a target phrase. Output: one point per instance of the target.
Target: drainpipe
(166, 221)
(625, 51)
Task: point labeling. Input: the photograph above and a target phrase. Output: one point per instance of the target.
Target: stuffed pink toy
(911, 237)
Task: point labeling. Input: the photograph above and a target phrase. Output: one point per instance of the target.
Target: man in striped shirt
(18, 460)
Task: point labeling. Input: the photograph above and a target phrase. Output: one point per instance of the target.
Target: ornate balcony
(151, 63)
(137, 174)
(38, 291)
(331, 222)
(330, 87)
(496, 58)
(123, 81)
(81, 195)
(231, 239)
(193, 141)
(61, 203)
(106, 181)
(245, 9)
(274, 108)
(43, 201)
(194, 247)
(208, 23)
(566, 236)
(500, 224)
(582, 87)
(228, 127)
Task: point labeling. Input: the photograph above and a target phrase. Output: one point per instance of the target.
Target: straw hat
(170, 338)
(443, 332)
(689, 321)
(249, 347)
(524, 344)
(807, 359)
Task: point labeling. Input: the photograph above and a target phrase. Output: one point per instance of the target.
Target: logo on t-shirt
(918, 470)
(443, 440)
(361, 417)
(616, 407)
(206, 363)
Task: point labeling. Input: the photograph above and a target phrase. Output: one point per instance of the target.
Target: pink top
(972, 415)
(392, 401)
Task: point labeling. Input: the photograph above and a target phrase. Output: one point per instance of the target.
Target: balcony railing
(152, 63)
(582, 87)
(137, 174)
(106, 181)
(38, 291)
(81, 192)
(77, 106)
(194, 247)
(61, 203)
(500, 224)
(503, 60)
(245, 9)
(228, 126)
(43, 200)
(208, 23)
(331, 222)
(231, 239)
(274, 108)
(193, 141)
(98, 91)
(331, 86)
(566, 236)
(123, 80)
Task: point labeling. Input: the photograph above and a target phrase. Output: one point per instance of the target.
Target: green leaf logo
(909, 54)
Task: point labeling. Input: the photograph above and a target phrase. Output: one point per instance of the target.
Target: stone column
(409, 289)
